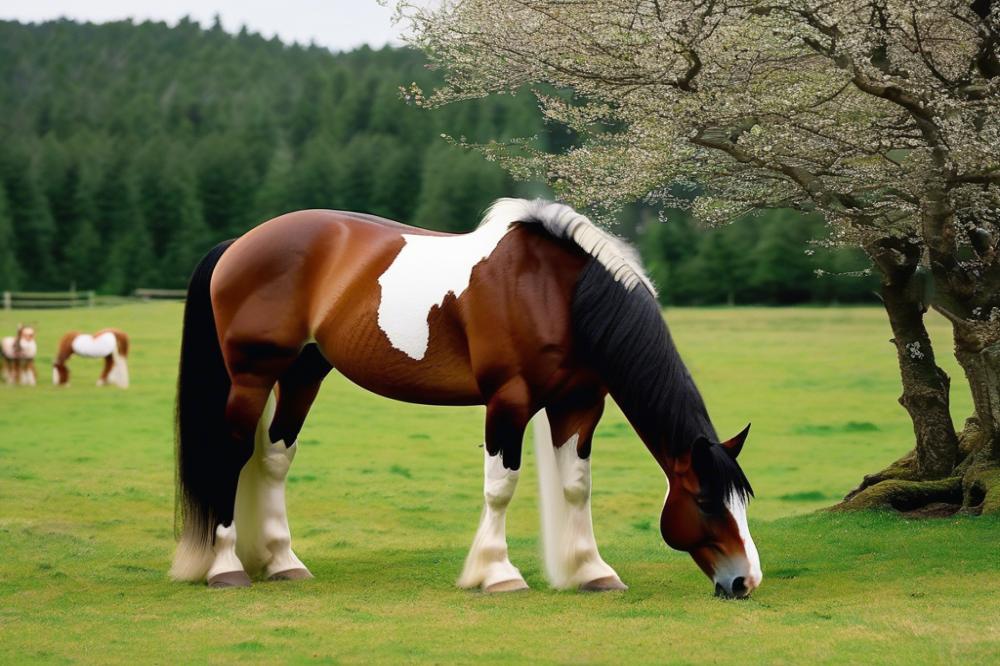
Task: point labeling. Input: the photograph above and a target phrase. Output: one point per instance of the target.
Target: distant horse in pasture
(537, 311)
(110, 344)
(19, 356)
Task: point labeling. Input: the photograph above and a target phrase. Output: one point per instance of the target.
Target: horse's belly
(362, 352)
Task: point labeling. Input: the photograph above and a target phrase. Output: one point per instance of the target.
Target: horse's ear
(735, 445)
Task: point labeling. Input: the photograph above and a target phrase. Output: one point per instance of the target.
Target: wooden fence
(48, 299)
(24, 300)
(160, 294)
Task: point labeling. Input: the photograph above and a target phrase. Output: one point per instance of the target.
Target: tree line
(129, 149)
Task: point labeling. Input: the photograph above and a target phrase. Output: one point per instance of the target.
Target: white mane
(618, 257)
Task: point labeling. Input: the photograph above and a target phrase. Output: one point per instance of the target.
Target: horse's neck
(662, 402)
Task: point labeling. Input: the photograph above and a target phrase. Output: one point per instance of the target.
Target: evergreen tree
(274, 196)
(158, 141)
(395, 183)
(189, 239)
(226, 183)
(84, 254)
(10, 271)
(34, 229)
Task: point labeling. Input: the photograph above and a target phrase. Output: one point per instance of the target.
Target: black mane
(622, 333)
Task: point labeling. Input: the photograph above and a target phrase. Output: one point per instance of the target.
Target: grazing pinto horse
(538, 309)
(19, 356)
(109, 344)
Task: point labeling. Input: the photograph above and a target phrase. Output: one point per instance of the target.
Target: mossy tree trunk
(962, 470)
(925, 386)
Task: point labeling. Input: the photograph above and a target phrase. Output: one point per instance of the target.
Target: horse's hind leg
(247, 399)
(265, 540)
(108, 364)
(487, 564)
(571, 556)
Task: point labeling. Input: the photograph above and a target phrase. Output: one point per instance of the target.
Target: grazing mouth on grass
(722, 593)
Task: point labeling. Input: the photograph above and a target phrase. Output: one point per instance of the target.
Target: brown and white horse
(538, 310)
(110, 344)
(19, 356)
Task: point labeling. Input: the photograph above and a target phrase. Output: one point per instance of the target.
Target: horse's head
(705, 514)
(25, 333)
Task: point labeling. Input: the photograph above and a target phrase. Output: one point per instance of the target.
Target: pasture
(384, 498)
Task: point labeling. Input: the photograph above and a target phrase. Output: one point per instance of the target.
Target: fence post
(90, 299)
(6, 300)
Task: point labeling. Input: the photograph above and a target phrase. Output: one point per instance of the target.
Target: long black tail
(203, 460)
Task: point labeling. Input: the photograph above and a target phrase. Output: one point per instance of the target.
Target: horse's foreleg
(571, 556)
(28, 377)
(261, 517)
(487, 564)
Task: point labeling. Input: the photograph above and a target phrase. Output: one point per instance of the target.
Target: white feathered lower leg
(487, 565)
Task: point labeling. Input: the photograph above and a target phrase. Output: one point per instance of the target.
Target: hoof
(229, 579)
(291, 574)
(512, 585)
(606, 584)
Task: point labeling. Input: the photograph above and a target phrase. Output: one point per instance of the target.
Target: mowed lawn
(384, 498)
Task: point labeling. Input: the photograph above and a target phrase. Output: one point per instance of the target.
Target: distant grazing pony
(537, 311)
(109, 344)
(19, 356)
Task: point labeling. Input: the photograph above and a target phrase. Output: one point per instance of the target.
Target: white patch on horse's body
(571, 555)
(89, 346)
(27, 350)
(487, 563)
(265, 540)
(424, 272)
(428, 268)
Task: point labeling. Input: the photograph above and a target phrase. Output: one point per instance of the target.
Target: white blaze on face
(424, 272)
(750, 570)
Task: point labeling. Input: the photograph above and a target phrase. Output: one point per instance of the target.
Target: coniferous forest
(127, 150)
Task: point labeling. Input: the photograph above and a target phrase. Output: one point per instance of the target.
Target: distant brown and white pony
(537, 311)
(110, 344)
(19, 356)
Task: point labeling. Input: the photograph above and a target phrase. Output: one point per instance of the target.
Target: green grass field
(384, 498)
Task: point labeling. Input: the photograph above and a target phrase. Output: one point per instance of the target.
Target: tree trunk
(963, 471)
(925, 385)
(977, 348)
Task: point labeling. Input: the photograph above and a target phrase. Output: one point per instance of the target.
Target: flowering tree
(883, 115)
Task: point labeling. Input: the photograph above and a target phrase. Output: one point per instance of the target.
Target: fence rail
(24, 300)
(160, 294)
(48, 299)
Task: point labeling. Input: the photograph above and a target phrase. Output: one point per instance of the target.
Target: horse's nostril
(720, 591)
(740, 587)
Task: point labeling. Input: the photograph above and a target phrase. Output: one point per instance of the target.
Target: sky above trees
(336, 24)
